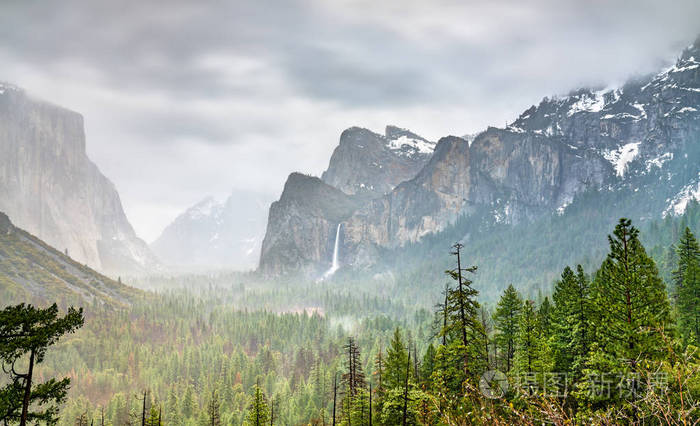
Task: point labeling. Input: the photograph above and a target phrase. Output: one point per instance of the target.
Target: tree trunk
(405, 390)
(335, 388)
(27, 390)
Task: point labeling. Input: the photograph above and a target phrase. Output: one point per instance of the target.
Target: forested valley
(614, 344)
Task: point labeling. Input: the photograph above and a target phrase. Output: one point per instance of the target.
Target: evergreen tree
(507, 321)
(687, 252)
(396, 359)
(545, 318)
(171, 408)
(258, 411)
(27, 332)
(154, 417)
(213, 414)
(355, 400)
(428, 364)
(571, 323)
(464, 330)
(630, 300)
(188, 403)
(354, 378)
(687, 280)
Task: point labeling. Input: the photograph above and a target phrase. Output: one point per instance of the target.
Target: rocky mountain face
(49, 186)
(642, 136)
(302, 224)
(370, 165)
(214, 234)
(32, 271)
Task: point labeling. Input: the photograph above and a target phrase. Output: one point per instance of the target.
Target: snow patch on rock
(679, 203)
(622, 156)
(659, 161)
(403, 143)
(588, 102)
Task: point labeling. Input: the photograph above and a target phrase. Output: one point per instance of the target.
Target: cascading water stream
(335, 265)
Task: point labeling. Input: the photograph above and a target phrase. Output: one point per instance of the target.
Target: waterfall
(334, 265)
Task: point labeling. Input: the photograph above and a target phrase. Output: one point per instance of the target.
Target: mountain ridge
(32, 270)
(641, 135)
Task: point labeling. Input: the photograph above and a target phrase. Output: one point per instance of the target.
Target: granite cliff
(49, 187)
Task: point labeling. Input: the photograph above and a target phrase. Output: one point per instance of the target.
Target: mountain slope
(50, 187)
(213, 234)
(31, 270)
(640, 139)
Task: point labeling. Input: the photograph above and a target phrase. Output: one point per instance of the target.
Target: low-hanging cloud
(184, 99)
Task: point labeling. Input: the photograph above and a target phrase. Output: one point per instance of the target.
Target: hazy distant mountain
(214, 234)
(49, 186)
(32, 271)
(641, 138)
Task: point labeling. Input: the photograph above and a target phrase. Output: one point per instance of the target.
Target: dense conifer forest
(617, 343)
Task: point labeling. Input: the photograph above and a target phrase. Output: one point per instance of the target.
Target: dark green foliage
(507, 320)
(687, 280)
(545, 316)
(428, 365)
(396, 359)
(629, 299)
(26, 333)
(463, 329)
(532, 351)
(572, 322)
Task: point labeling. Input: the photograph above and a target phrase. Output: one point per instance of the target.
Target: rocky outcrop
(49, 186)
(370, 165)
(302, 225)
(214, 234)
(418, 206)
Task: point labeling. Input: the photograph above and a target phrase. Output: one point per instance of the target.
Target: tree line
(614, 345)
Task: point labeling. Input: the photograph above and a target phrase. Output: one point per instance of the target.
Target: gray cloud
(184, 98)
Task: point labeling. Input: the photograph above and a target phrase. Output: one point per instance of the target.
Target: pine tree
(395, 366)
(26, 331)
(531, 359)
(507, 320)
(428, 364)
(171, 406)
(258, 411)
(571, 323)
(379, 371)
(545, 318)
(527, 352)
(687, 280)
(355, 398)
(188, 403)
(630, 299)
(687, 252)
(464, 331)
(153, 418)
(213, 415)
(354, 378)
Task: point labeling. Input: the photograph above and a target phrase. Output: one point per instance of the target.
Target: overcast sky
(183, 99)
